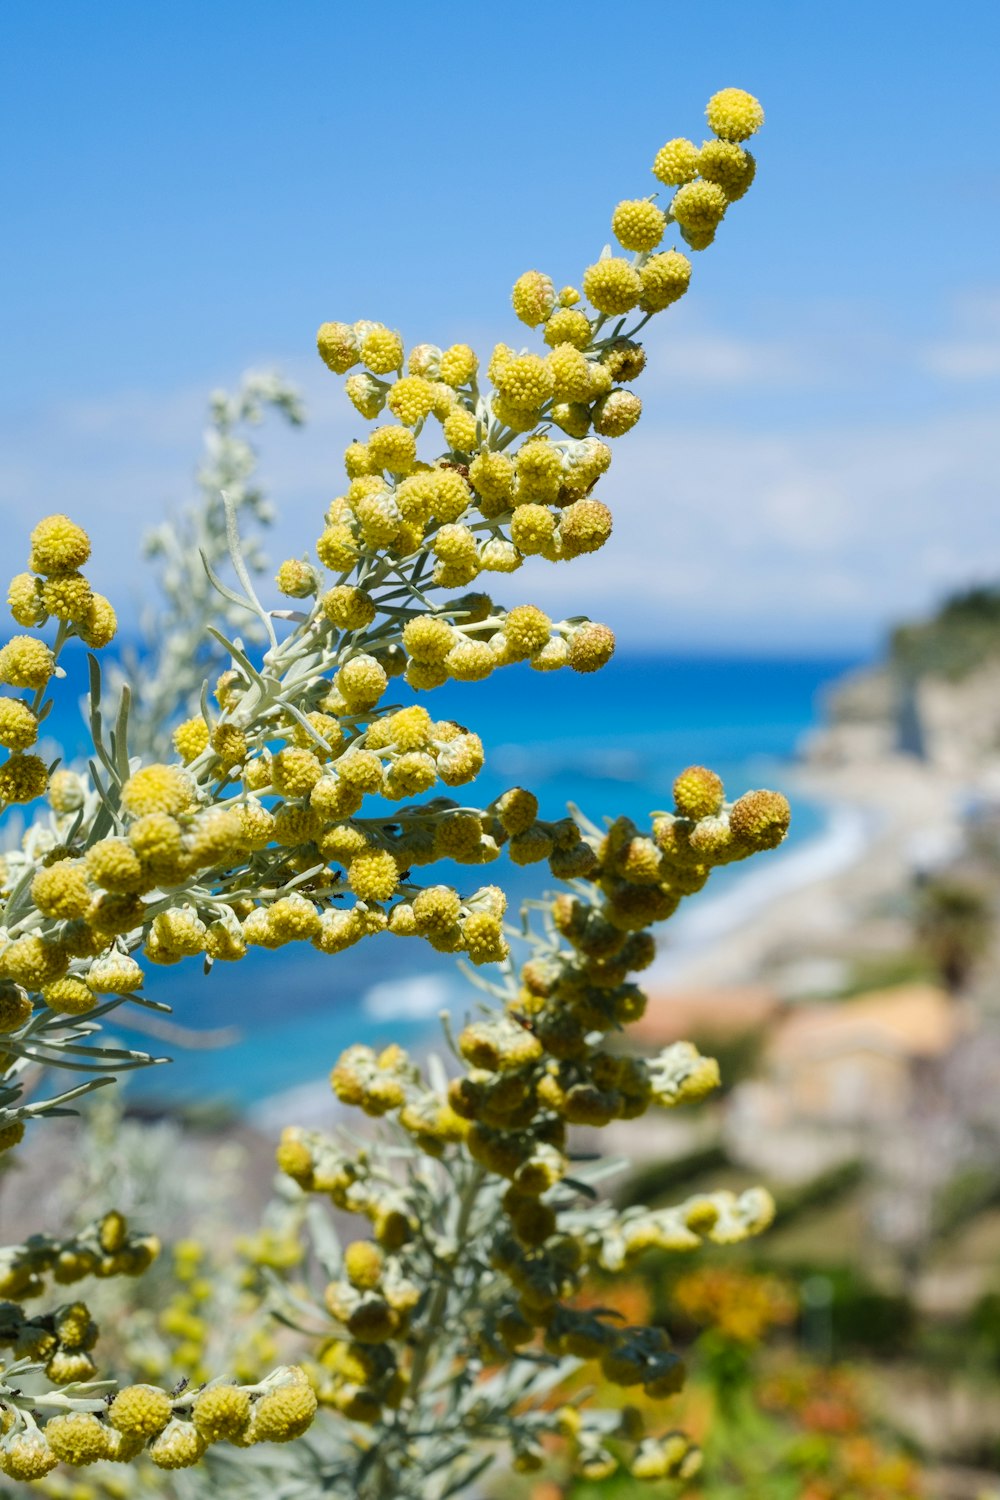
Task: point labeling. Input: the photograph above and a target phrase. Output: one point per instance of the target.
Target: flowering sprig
(264, 832)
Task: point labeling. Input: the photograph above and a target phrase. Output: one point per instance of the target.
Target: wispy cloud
(970, 350)
(814, 528)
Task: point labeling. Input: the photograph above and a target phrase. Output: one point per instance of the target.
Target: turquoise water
(611, 745)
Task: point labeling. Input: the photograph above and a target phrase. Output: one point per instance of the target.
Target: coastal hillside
(935, 695)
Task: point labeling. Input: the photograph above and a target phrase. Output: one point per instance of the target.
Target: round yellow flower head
(356, 460)
(100, 624)
(470, 661)
(461, 430)
(178, 1446)
(638, 224)
(293, 919)
(364, 1264)
(69, 996)
(157, 788)
(23, 778)
(18, 725)
(676, 162)
(534, 297)
(698, 793)
(285, 1411)
(699, 206)
(411, 399)
(451, 495)
(191, 738)
(428, 639)
(338, 347)
(337, 548)
(24, 599)
(446, 398)
(527, 629)
(67, 596)
(230, 744)
(532, 529)
(616, 413)
(221, 1412)
(760, 820)
(32, 961)
(734, 115)
(11, 1135)
(492, 476)
(62, 890)
(728, 165)
(348, 608)
(393, 448)
(568, 325)
(180, 931)
(361, 682)
(483, 939)
(584, 526)
(538, 465)
(78, 1438)
(381, 350)
(296, 579)
(118, 974)
(591, 646)
(26, 662)
(498, 556)
(26, 1455)
(295, 771)
(455, 544)
(460, 760)
(459, 364)
(58, 545)
(665, 278)
(612, 285)
(525, 380)
(140, 1410)
(571, 373)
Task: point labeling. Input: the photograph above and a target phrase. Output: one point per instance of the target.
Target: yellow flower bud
(733, 114)
(612, 285)
(58, 546)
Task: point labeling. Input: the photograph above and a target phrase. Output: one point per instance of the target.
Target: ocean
(610, 744)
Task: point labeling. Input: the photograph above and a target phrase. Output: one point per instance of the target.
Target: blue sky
(190, 189)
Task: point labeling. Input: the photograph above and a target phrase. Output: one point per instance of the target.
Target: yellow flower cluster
(543, 1064)
(55, 589)
(262, 834)
(105, 1248)
(172, 1431)
(486, 504)
(719, 173)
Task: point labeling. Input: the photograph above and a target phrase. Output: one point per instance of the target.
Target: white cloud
(727, 530)
(717, 360)
(971, 349)
(733, 535)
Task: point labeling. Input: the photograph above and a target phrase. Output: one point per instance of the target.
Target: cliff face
(951, 723)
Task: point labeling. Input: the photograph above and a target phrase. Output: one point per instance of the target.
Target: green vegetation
(963, 634)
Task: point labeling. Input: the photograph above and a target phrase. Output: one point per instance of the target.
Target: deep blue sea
(610, 744)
